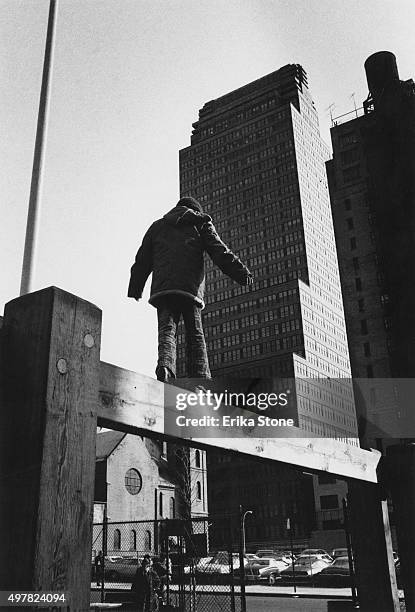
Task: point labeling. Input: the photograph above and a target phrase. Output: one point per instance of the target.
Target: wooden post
(399, 472)
(372, 548)
(50, 386)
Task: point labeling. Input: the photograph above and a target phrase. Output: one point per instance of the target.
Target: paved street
(300, 604)
(259, 599)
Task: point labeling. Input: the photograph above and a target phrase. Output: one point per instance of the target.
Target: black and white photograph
(207, 305)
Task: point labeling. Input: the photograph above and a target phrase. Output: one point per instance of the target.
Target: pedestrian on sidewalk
(99, 568)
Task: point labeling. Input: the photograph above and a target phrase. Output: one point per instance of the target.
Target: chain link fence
(197, 560)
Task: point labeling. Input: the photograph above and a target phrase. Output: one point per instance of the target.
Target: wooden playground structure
(55, 391)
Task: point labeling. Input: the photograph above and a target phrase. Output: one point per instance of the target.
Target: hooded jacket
(173, 249)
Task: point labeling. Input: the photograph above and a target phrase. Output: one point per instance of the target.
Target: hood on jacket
(182, 215)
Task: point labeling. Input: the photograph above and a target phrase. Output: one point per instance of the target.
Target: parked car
(120, 569)
(398, 574)
(219, 563)
(271, 574)
(286, 556)
(313, 552)
(198, 566)
(277, 554)
(251, 556)
(218, 569)
(316, 552)
(305, 568)
(339, 552)
(336, 574)
(255, 568)
(266, 552)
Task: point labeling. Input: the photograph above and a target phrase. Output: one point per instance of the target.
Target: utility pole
(292, 551)
(38, 158)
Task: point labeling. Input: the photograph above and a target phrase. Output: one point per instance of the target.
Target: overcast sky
(128, 80)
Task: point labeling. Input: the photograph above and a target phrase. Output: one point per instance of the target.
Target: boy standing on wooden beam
(172, 250)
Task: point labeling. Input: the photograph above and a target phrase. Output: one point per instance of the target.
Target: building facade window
(133, 539)
(172, 508)
(351, 174)
(147, 541)
(117, 539)
(133, 481)
(197, 459)
(198, 490)
(161, 504)
(347, 138)
(328, 502)
(350, 156)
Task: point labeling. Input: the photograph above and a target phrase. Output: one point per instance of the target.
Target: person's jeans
(169, 311)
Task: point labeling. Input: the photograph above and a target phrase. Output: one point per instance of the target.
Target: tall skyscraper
(257, 164)
(372, 189)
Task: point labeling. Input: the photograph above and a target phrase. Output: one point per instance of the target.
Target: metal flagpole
(38, 157)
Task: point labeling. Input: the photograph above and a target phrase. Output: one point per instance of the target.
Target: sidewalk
(258, 590)
(252, 590)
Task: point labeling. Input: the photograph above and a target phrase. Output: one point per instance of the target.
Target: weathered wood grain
(135, 403)
(51, 372)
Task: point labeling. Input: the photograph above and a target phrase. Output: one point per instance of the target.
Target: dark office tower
(372, 189)
(257, 164)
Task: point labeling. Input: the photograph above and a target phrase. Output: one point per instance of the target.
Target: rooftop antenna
(330, 109)
(354, 102)
(38, 159)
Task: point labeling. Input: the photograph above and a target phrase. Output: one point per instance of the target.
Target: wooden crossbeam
(135, 403)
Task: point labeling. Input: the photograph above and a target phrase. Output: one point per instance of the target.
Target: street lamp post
(243, 530)
(242, 551)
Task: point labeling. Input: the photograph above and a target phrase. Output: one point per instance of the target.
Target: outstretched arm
(223, 257)
(142, 267)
